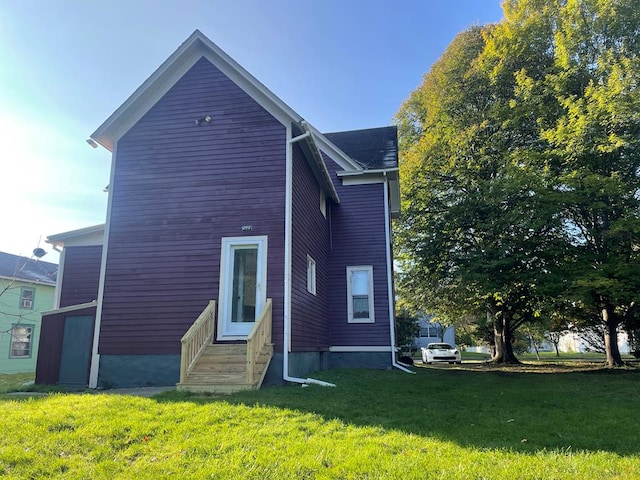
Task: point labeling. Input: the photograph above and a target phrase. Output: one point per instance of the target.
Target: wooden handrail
(196, 339)
(259, 337)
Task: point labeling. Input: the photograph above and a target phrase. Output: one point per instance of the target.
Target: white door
(243, 276)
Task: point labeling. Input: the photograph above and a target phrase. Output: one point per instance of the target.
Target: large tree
(520, 168)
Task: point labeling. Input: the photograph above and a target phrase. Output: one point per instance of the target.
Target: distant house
(433, 332)
(26, 288)
(241, 245)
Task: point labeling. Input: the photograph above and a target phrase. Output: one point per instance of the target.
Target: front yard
(442, 423)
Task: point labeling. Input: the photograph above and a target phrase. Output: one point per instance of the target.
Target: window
(323, 203)
(360, 294)
(21, 341)
(26, 298)
(311, 275)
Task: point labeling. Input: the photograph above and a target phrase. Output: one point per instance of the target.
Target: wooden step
(222, 368)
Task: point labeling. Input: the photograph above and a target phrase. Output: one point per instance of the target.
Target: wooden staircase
(222, 368)
(225, 368)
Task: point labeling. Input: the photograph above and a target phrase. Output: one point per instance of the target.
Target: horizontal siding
(81, 275)
(310, 236)
(178, 189)
(358, 238)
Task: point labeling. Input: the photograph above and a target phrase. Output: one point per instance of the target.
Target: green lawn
(445, 422)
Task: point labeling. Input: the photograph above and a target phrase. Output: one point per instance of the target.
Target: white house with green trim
(27, 287)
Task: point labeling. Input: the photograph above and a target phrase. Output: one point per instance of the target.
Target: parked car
(440, 352)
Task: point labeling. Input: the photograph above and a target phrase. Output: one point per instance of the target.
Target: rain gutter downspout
(287, 263)
(387, 237)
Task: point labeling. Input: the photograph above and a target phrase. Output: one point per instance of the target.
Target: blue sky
(66, 65)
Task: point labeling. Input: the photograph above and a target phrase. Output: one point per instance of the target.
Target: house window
(311, 275)
(323, 203)
(360, 294)
(26, 298)
(21, 336)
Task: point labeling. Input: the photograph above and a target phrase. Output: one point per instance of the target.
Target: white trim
(58, 291)
(372, 317)
(95, 356)
(359, 348)
(79, 237)
(288, 222)
(378, 171)
(311, 275)
(70, 308)
(387, 239)
(171, 70)
(226, 247)
(328, 147)
(392, 323)
(362, 180)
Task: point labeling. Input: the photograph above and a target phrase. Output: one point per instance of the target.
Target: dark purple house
(241, 245)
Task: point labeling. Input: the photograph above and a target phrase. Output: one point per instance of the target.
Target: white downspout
(287, 264)
(95, 356)
(387, 237)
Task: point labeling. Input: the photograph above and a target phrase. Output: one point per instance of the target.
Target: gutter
(288, 223)
(387, 237)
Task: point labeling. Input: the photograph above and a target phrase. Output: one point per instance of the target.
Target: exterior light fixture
(205, 119)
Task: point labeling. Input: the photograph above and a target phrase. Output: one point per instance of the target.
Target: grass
(12, 382)
(445, 422)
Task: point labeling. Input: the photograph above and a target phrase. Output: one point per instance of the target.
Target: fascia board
(328, 147)
(60, 238)
(165, 76)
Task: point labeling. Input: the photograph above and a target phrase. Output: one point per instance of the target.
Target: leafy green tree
(520, 166)
(473, 235)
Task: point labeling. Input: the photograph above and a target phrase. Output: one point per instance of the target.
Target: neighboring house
(433, 332)
(26, 288)
(227, 207)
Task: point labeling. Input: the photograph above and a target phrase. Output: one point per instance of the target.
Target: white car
(440, 352)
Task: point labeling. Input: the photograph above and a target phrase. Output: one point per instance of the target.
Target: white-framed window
(311, 275)
(27, 296)
(360, 294)
(21, 337)
(323, 203)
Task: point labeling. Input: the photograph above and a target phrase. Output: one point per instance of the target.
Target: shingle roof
(27, 269)
(373, 148)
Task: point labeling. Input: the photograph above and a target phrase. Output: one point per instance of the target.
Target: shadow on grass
(520, 408)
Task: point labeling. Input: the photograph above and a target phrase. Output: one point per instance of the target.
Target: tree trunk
(614, 359)
(555, 345)
(535, 346)
(503, 339)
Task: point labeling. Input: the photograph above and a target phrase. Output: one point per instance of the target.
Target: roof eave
(169, 72)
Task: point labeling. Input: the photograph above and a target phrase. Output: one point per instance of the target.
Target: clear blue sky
(66, 65)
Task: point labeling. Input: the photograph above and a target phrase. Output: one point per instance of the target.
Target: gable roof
(179, 62)
(27, 269)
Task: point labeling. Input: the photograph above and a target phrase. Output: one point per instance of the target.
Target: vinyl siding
(358, 238)
(178, 189)
(310, 236)
(81, 275)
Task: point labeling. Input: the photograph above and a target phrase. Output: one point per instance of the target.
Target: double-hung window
(21, 337)
(26, 298)
(360, 294)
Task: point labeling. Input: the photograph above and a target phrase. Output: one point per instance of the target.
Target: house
(241, 245)
(26, 288)
(433, 332)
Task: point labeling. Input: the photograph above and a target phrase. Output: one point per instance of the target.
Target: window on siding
(360, 294)
(21, 336)
(311, 275)
(26, 298)
(323, 203)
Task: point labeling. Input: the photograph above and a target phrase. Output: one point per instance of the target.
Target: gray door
(76, 351)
